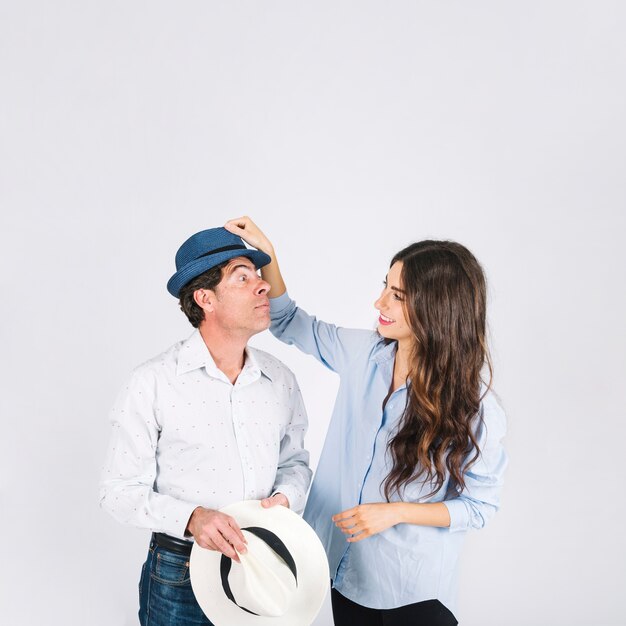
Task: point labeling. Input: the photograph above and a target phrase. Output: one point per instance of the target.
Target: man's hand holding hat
(277, 498)
(215, 530)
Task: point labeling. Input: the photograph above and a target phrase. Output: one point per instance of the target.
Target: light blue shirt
(406, 563)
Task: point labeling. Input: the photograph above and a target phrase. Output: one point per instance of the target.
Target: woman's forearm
(364, 520)
(271, 273)
(423, 514)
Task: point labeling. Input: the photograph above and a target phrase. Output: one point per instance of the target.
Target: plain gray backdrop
(346, 130)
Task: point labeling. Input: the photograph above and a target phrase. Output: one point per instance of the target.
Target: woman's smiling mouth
(385, 321)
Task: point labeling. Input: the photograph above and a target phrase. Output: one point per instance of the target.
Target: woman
(413, 456)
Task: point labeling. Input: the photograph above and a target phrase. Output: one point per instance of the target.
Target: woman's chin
(385, 331)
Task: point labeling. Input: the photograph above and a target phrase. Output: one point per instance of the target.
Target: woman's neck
(401, 365)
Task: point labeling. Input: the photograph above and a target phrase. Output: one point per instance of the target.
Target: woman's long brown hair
(445, 306)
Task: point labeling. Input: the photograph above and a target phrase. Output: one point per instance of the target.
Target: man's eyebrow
(232, 268)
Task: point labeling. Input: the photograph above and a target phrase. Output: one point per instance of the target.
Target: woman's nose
(380, 301)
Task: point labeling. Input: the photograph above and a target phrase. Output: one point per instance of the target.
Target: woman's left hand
(365, 520)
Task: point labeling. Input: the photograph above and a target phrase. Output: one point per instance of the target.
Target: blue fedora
(207, 249)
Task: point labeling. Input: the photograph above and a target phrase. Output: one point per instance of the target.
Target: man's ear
(205, 299)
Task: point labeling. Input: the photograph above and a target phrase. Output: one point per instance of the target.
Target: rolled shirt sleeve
(480, 499)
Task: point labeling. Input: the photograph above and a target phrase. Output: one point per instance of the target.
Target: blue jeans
(165, 595)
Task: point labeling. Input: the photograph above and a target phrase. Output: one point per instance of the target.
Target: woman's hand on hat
(276, 499)
(245, 228)
(365, 520)
(214, 530)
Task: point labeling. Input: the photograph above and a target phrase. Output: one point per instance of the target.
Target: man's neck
(227, 350)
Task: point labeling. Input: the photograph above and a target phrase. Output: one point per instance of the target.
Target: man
(209, 422)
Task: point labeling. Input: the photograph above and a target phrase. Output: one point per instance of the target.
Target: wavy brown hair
(445, 306)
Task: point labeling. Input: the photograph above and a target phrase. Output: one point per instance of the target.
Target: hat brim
(303, 544)
(201, 265)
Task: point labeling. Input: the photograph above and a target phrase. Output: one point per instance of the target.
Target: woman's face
(392, 323)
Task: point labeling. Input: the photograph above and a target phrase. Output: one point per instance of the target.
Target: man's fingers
(276, 499)
(224, 547)
(210, 545)
(229, 531)
(220, 532)
(217, 541)
(206, 543)
(233, 534)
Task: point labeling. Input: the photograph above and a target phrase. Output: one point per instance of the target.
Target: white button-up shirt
(183, 436)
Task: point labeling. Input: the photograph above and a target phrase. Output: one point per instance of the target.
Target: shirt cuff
(279, 303)
(178, 518)
(459, 515)
(296, 501)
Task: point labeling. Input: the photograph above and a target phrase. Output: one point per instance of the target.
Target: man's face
(240, 303)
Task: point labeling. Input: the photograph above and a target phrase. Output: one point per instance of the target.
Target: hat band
(274, 543)
(224, 249)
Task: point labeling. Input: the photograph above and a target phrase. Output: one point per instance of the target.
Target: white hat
(282, 579)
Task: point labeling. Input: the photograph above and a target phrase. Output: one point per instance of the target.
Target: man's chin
(262, 325)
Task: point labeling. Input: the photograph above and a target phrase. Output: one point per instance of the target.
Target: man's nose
(262, 287)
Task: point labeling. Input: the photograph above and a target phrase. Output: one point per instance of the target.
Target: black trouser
(427, 613)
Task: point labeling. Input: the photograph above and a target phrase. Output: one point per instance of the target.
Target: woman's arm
(480, 499)
(472, 509)
(331, 345)
(365, 520)
(245, 228)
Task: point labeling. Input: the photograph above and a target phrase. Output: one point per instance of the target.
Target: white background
(347, 130)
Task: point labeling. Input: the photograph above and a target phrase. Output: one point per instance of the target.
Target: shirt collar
(255, 363)
(386, 351)
(384, 357)
(194, 354)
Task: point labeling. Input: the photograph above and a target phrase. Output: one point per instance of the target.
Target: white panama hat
(282, 579)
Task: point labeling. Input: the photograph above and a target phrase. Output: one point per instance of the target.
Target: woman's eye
(397, 296)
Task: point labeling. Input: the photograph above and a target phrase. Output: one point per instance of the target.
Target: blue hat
(207, 249)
